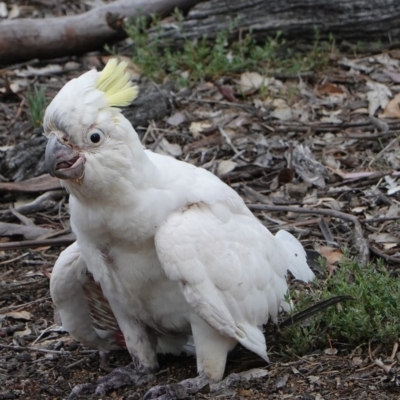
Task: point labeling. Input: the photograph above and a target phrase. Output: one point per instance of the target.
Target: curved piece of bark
(25, 39)
(366, 20)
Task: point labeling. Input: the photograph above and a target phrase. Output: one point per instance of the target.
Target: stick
(360, 243)
(64, 352)
(65, 240)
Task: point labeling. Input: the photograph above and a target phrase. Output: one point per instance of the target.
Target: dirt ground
(325, 141)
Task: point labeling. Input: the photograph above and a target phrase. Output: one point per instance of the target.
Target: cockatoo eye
(96, 136)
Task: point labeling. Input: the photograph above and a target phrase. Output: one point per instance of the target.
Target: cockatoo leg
(211, 352)
(141, 345)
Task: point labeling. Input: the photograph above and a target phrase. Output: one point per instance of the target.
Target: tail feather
(253, 339)
(296, 256)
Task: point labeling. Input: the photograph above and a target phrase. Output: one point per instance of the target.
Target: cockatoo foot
(188, 387)
(123, 376)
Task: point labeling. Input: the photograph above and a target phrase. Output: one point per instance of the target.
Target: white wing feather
(231, 269)
(66, 289)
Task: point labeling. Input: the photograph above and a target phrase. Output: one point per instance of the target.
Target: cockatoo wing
(230, 268)
(85, 313)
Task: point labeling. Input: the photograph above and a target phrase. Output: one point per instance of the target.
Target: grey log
(352, 20)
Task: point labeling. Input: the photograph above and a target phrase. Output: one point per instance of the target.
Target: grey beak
(72, 166)
(57, 152)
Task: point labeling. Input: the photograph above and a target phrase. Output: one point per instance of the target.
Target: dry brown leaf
(388, 246)
(26, 332)
(225, 166)
(332, 119)
(332, 256)
(378, 96)
(359, 209)
(329, 89)
(171, 149)
(228, 94)
(282, 111)
(26, 315)
(331, 351)
(357, 361)
(394, 76)
(307, 167)
(392, 109)
(387, 61)
(197, 128)
(254, 373)
(176, 119)
(383, 237)
(252, 81)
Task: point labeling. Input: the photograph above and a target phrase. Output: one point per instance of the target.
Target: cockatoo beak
(62, 161)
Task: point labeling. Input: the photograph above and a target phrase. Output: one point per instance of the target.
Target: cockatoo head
(88, 136)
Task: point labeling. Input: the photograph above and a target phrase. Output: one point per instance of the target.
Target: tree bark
(353, 20)
(25, 39)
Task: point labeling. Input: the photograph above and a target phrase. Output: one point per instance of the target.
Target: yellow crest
(115, 82)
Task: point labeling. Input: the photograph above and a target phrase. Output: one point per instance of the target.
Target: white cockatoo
(175, 250)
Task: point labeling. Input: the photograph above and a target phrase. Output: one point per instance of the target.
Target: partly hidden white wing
(84, 311)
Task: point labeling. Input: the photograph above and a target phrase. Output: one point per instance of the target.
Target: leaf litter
(326, 145)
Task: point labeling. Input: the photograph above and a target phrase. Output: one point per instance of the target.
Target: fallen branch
(65, 240)
(44, 202)
(386, 257)
(46, 351)
(41, 183)
(360, 242)
(25, 39)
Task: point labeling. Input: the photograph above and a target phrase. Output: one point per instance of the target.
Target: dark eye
(95, 137)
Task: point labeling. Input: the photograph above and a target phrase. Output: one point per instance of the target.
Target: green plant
(374, 315)
(208, 59)
(37, 102)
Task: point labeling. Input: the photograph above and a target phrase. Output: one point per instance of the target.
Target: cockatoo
(175, 250)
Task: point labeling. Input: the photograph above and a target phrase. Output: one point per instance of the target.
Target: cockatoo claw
(79, 390)
(189, 387)
(181, 390)
(123, 376)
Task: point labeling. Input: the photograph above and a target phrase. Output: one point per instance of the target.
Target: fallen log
(351, 20)
(25, 39)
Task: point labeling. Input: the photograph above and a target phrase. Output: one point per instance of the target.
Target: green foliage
(199, 59)
(37, 104)
(374, 315)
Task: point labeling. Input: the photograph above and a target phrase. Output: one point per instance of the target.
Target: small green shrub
(373, 316)
(211, 58)
(37, 102)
